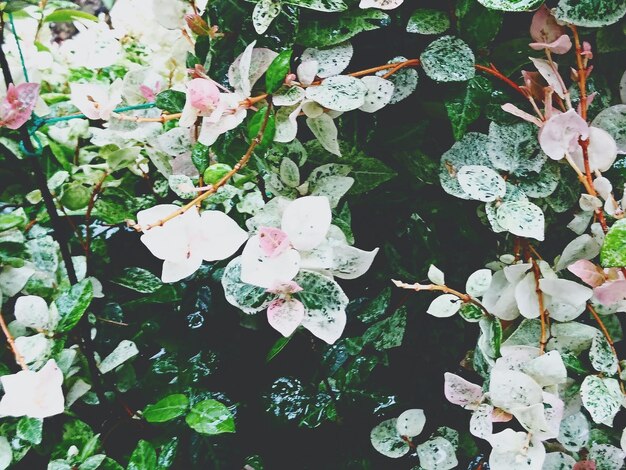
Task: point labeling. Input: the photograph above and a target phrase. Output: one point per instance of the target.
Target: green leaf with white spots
(333, 29)
(249, 298)
(319, 5)
(512, 5)
(601, 355)
(590, 13)
(448, 59)
(386, 439)
(428, 21)
(510, 146)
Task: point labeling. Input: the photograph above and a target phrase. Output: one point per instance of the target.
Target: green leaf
(448, 59)
(464, 106)
(256, 123)
(200, 157)
(122, 158)
(211, 417)
(277, 347)
(512, 5)
(8, 221)
(72, 305)
(30, 430)
(143, 457)
(65, 16)
(171, 101)
(139, 280)
(613, 254)
(331, 30)
(277, 71)
(249, 298)
(476, 24)
(388, 333)
(377, 307)
(75, 196)
(167, 454)
(428, 21)
(590, 13)
(166, 409)
(319, 5)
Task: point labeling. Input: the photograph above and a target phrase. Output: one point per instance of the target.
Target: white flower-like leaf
(285, 315)
(478, 282)
(261, 270)
(33, 394)
(332, 60)
(96, 100)
(559, 135)
(515, 451)
(444, 306)
(461, 392)
(512, 389)
(602, 151)
(436, 276)
(306, 221)
(410, 423)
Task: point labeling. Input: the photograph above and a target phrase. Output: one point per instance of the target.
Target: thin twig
(18, 357)
(543, 313)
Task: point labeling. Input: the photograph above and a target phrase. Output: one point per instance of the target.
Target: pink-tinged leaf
(273, 241)
(585, 465)
(148, 93)
(203, 94)
(534, 84)
(289, 287)
(285, 315)
(610, 293)
(461, 392)
(18, 104)
(515, 111)
(587, 51)
(544, 27)
(559, 46)
(588, 272)
(500, 416)
(559, 135)
(550, 72)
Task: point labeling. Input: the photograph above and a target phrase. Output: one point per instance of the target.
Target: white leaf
(332, 187)
(526, 297)
(551, 75)
(444, 306)
(601, 355)
(32, 311)
(251, 64)
(436, 276)
(306, 221)
(437, 454)
(78, 389)
(122, 353)
(339, 93)
(285, 315)
(289, 172)
(349, 262)
(307, 71)
(478, 282)
(286, 120)
(602, 151)
(386, 440)
(13, 280)
(33, 348)
(261, 270)
(288, 96)
(511, 389)
(381, 4)
(613, 121)
(410, 423)
(571, 337)
(379, 93)
(6, 454)
(547, 369)
(606, 456)
(523, 219)
(324, 129)
(219, 236)
(515, 451)
(332, 60)
(540, 420)
(404, 80)
(499, 299)
(566, 291)
(582, 247)
(481, 424)
(264, 13)
(461, 392)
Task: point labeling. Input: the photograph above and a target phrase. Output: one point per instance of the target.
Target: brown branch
(543, 313)
(496, 73)
(92, 201)
(18, 357)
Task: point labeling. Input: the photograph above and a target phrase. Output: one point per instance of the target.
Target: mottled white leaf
(512, 389)
(601, 355)
(590, 13)
(481, 183)
(478, 282)
(448, 59)
(523, 219)
(339, 93)
(264, 13)
(547, 369)
(404, 80)
(437, 454)
(602, 398)
(325, 131)
(379, 93)
(330, 61)
(558, 461)
(606, 456)
(410, 423)
(428, 21)
(574, 432)
(123, 352)
(386, 440)
(444, 306)
(613, 121)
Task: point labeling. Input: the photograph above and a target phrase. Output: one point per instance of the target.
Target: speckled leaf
(512, 5)
(428, 21)
(264, 13)
(404, 80)
(334, 29)
(331, 60)
(613, 252)
(325, 304)
(540, 184)
(606, 456)
(602, 398)
(481, 183)
(523, 219)
(511, 145)
(249, 298)
(590, 13)
(379, 93)
(601, 355)
(319, 5)
(444, 306)
(463, 107)
(387, 441)
(574, 432)
(437, 454)
(339, 93)
(470, 150)
(448, 59)
(411, 422)
(325, 131)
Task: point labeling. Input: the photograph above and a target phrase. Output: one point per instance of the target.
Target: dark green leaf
(200, 157)
(72, 305)
(464, 105)
(277, 347)
(256, 124)
(30, 430)
(211, 417)
(139, 280)
(166, 409)
(278, 70)
(143, 458)
(171, 101)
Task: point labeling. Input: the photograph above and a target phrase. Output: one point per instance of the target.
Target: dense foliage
(183, 188)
